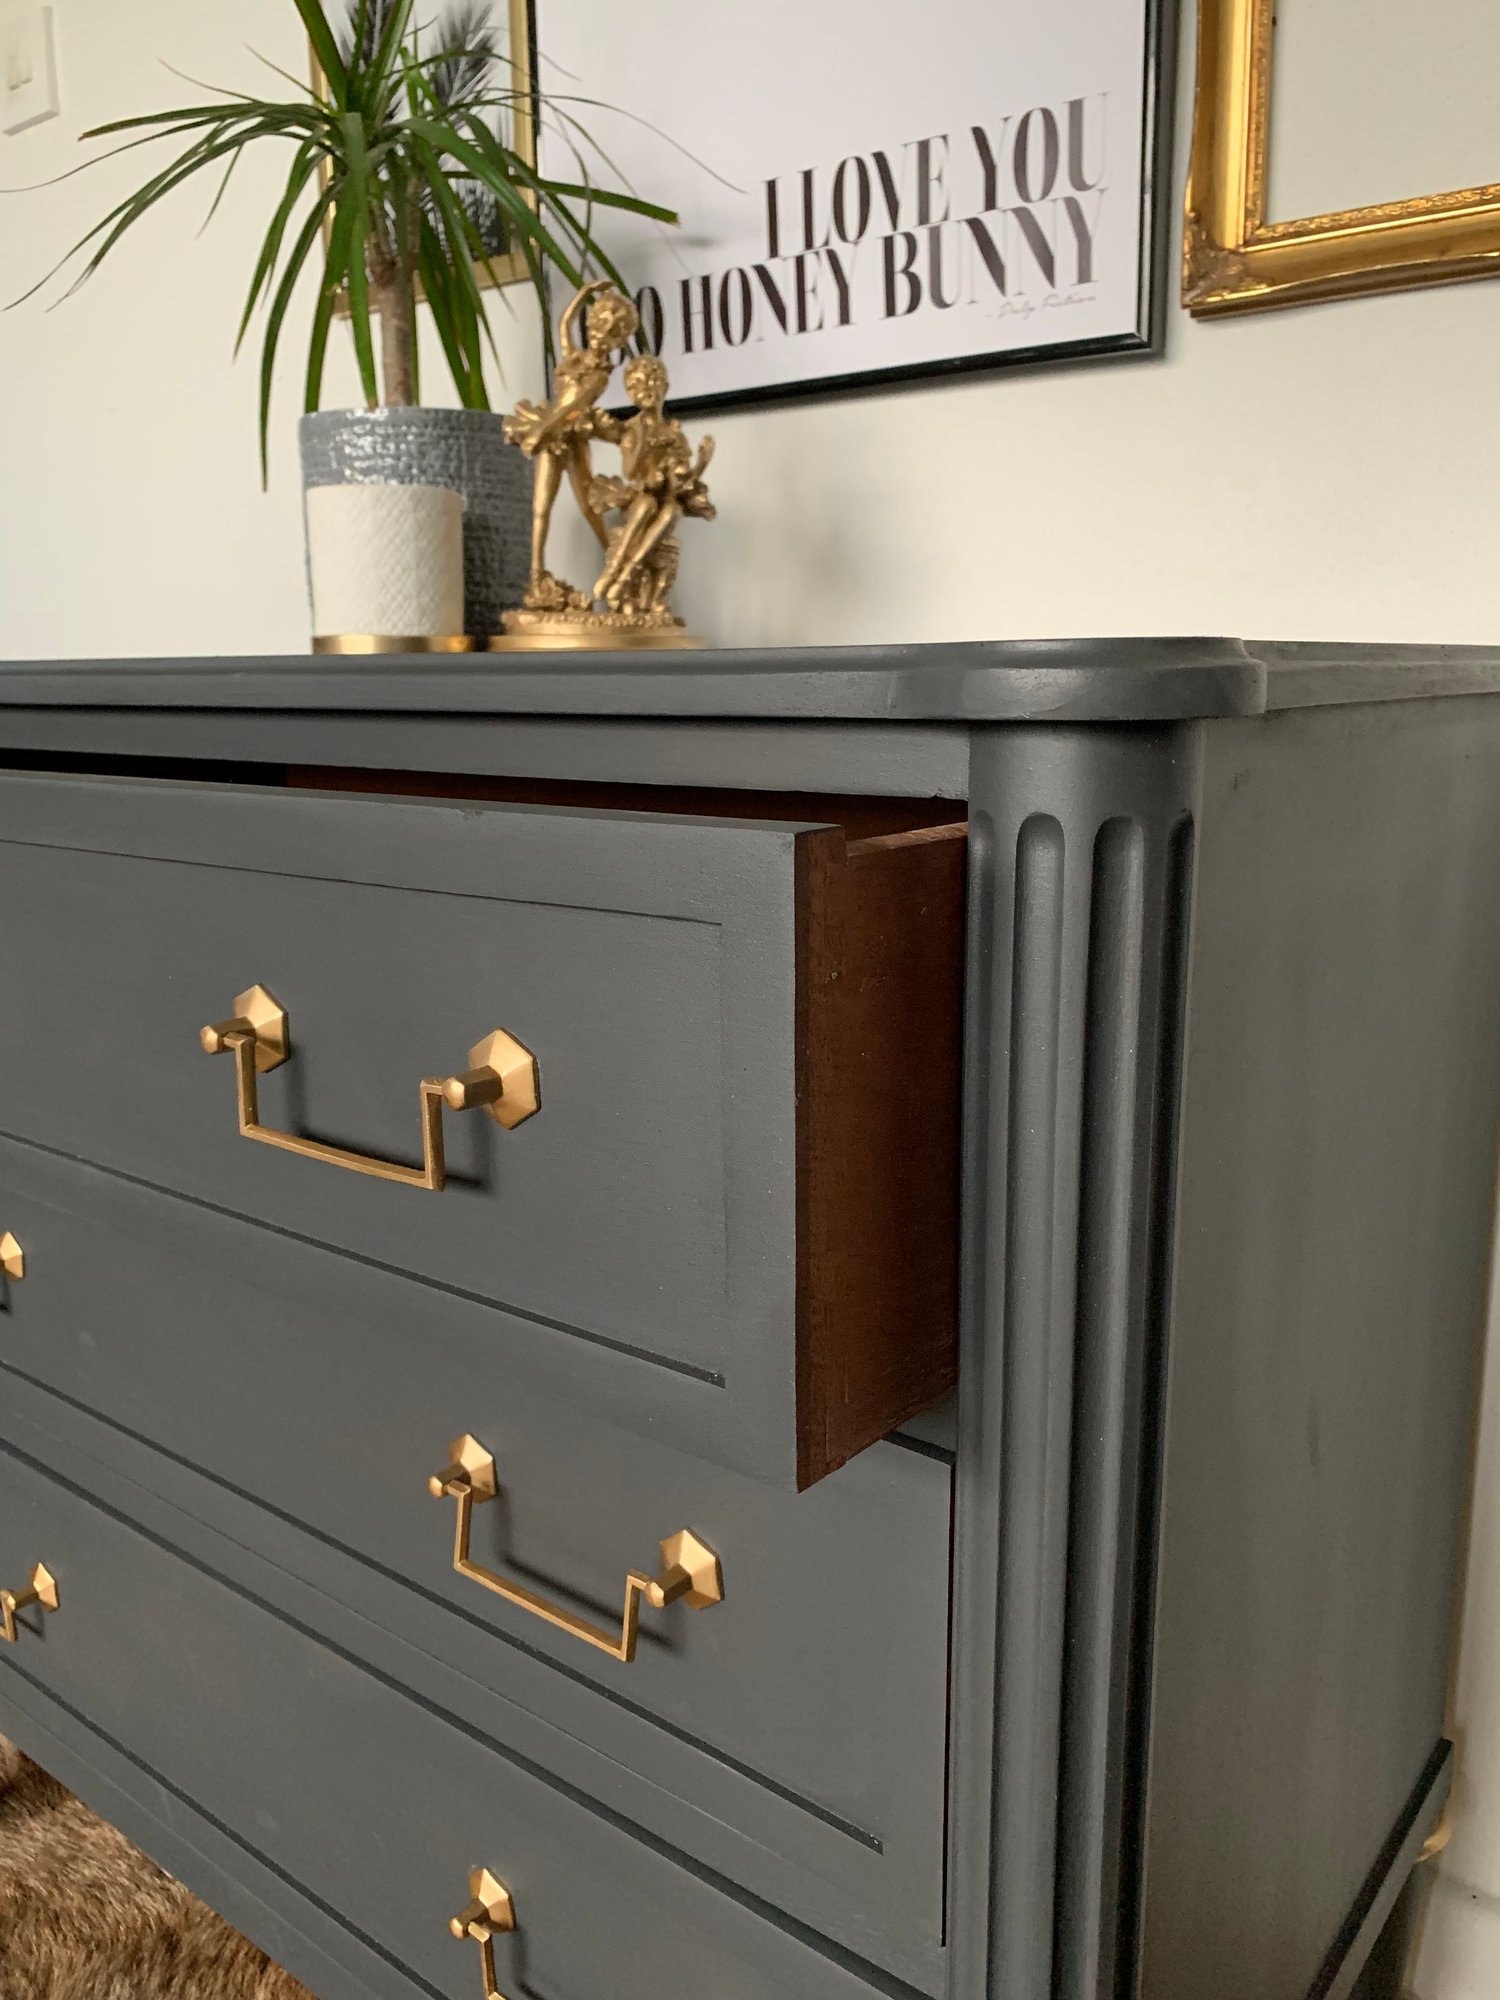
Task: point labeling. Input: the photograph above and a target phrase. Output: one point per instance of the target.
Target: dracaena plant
(400, 180)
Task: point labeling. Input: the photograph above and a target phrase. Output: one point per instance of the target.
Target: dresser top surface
(1081, 680)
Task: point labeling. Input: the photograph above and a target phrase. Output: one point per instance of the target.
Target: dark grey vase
(464, 450)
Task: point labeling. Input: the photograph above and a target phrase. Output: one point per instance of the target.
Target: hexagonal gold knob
(504, 1079)
(490, 1912)
(258, 1017)
(12, 1258)
(490, 1908)
(41, 1590)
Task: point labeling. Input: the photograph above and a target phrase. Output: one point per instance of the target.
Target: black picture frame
(1158, 255)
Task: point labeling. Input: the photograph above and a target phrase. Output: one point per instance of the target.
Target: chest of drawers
(783, 1325)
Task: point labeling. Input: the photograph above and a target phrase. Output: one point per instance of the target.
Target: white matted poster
(869, 190)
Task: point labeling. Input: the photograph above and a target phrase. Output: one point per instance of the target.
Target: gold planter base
(385, 642)
(589, 632)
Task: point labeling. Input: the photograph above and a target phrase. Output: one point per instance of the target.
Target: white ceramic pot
(385, 567)
(461, 449)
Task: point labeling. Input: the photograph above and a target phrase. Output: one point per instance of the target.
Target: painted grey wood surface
(910, 760)
(973, 682)
(376, 1807)
(734, 1825)
(1071, 1205)
(647, 1214)
(1337, 1176)
(1079, 881)
(1080, 680)
(1367, 1959)
(330, 1392)
(1320, 674)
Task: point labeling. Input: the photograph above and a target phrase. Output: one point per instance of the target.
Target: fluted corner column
(1080, 896)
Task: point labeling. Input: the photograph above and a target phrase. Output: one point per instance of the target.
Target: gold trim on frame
(510, 269)
(1234, 260)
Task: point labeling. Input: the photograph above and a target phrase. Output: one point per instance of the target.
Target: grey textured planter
(464, 450)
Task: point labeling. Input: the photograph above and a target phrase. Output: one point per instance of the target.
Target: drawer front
(372, 1804)
(742, 1246)
(330, 1392)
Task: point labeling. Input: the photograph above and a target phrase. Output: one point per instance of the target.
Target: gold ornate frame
(1234, 260)
(510, 269)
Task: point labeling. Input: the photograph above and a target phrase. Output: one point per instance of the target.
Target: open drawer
(732, 1219)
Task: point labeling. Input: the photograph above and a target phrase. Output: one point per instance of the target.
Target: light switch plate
(28, 67)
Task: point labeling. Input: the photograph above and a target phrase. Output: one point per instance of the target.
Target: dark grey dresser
(755, 1327)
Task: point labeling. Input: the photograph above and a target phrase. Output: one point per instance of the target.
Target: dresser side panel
(1337, 1186)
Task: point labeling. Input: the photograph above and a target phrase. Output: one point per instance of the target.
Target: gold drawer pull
(690, 1570)
(12, 1258)
(502, 1077)
(41, 1590)
(489, 1912)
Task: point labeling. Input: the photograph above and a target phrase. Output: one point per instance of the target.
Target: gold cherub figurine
(661, 480)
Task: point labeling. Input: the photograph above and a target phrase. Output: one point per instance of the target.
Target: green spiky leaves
(390, 165)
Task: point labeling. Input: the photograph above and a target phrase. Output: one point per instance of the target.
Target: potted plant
(401, 181)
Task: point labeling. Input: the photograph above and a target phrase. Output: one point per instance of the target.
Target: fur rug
(85, 1916)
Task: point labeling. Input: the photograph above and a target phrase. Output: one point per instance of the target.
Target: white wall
(1331, 472)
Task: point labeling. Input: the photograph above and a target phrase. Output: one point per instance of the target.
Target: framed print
(869, 190)
(506, 27)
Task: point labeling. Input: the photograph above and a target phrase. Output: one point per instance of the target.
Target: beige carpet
(85, 1916)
